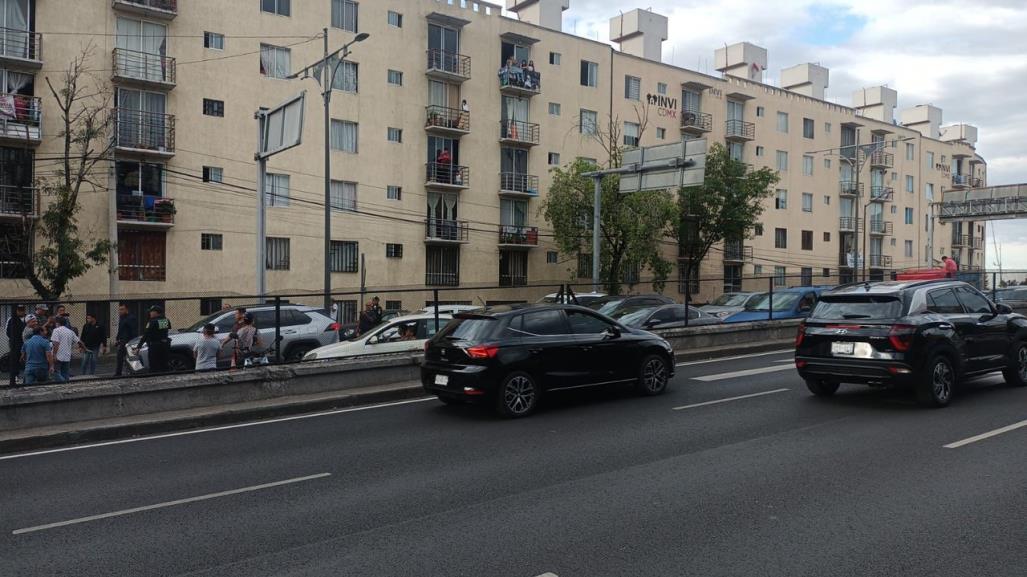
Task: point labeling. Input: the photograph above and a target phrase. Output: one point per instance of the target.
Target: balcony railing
(518, 132)
(506, 280)
(849, 223)
(19, 201)
(146, 209)
(449, 64)
(142, 272)
(967, 241)
(447, 175)
(447, 120)
(881, 159)
(881, 227)
(145, 67)
(517, 183)
(11, 267)
(20, 117)
(696, 122)
(881, 193)
(158, 8)
(442, 230)
(850, 188)
(144, 131)
(736, 252)
(739, 130)
(518, 81)
(880, 261)
(965, 181)
(518, 235)
(21, 46)
(441, 278)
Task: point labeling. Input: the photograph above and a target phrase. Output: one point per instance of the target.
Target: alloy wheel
(519, 395)
(654, 375)
(941, 380)
(1022, 361)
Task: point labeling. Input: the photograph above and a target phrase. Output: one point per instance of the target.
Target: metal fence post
(688, 295)
(435, 296)
(278, 330)
(994, 285)
(770, 310)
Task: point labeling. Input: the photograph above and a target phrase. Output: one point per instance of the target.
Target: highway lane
(602, 483)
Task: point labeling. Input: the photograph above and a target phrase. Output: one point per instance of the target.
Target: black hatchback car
(510, 356)
(922, 335)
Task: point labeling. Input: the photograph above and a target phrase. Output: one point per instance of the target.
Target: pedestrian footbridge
(988, 203)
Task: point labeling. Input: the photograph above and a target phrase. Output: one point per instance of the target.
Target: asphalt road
(736, 471)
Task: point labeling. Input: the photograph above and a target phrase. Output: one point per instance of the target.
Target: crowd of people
(521, 74)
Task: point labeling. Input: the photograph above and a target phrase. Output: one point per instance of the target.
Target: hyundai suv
(926, 336)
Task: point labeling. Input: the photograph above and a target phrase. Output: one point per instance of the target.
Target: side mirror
(1003, 309)
(611, 333)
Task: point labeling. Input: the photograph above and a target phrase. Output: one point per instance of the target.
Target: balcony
(447, 121)
(446, 176)
(519, 82)
(737, 253)
(697, 123)
(20, 119)
(441, 278)
(17, 202)
(161, 9)
(964, 181)
(145, 212)
(448, 66)
(847, 223)
(517, 184)
(142, 272)
(518, 133)
(739, 130)
(21, 48)
(882, 159)
(144, 69)
(441, 231)
(881, 194)
(880, 261)
(144, 133)
(880, 227)
(967, 241)
(850, 188)
(518, 236)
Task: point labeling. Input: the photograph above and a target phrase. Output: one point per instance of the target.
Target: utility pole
(260, 116)
(597, 200)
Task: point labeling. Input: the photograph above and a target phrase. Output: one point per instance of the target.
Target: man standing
(951, 266)
(155, 336)
(240, 314)
(127, 330)
(94, 342)
(14, 329)
(38, 359)
(64, 340)
(376, 307)
(367, 319)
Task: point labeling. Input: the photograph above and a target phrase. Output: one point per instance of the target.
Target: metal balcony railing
(161, 7)
(967, 241)
(19, 201)
(849, 223)
(446, 119)
(20, 117)
(518, 235)
(146, 209)
(850, 188)
(442, 278)
(515, 182)
(449, 64)
(506, 280)
(21, 45)
(739, 130)
(11, 267)
(736, 252)
(144, 67)
(694, 121)
(449, 175)
(878, 226)
(518, 131)
(148, 131)
(965, 181)
(882, 159)
(142, 272)
(438, 229)
(880, 260)
(881, 193)
(518, 81)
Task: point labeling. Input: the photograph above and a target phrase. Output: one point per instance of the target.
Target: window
(908, 249)
(395, 19)
(346, 75)
(135, 179)
(827, 163)
(780, 276)
(827, 199)
(394, 305)
(584, 266)
(661, 88)
(632, 88)
(930, 159)
(807, 165)
(780, 238)
(826, 272)
(276, 189)
(589, 122)
(807, 240)
(554, 108)
(552, 257)
(344, 256)
(442, 266)
(757, 230)
(280, 7)
(213, 40)
(827, 237)
(736, 151)
(910, 151)
(344, 136)
(807, 128)
(759, 151)
(782, 160)
(554, 159)
(661, 133)
(213, 107)
(554, 58)
(211, 241)
(395, 77)
(213, 174)
(275, 61)
(589, 73)
(943, 302)
(909, 215)
(782, 122)
(209, 306)
(781, 199)
(394, 134)
(807, 202)
(393, 250)
(631, 131)
(513, 268)
(393, 192)
(806, 276)
(827, 128)
(757, 269)
(545, 322)
(583, 323)
(972, 301)
(344, 196)
(929, 191)
(344, 15)
(277, 257)
(760, 112)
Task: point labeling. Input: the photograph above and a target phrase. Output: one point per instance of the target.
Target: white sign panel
(283, 126)
(668, 166)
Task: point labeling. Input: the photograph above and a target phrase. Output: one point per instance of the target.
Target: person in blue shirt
(37, 355)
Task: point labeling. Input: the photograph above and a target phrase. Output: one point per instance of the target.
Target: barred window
(209, 306)
(584, 266)
(344, 256)
(209, 241)
(393, 250)
(277, 257)
(213, 107)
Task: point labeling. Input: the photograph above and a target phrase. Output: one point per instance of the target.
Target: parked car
(611, 304)
(450, 309)
(400, 335)
(664, 317)
(582, 299)
(729, 303)
(1015, 297)
(349, 330)
(789, 303)
(923, 335)
(510, 356)
(303, 329)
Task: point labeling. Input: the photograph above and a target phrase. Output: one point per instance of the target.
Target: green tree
(725, 207)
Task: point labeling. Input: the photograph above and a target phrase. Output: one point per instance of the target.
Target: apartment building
(440, 153)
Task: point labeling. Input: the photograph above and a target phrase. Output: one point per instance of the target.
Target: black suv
(922, 335)
(511, 355)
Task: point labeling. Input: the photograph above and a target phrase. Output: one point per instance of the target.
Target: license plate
(442, 380)
(842, 348)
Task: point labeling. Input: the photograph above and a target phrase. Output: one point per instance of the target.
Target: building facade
(440, 149)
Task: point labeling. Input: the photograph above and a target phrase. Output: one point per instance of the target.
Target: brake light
(901, 337)
(334, 327)
(801, 335)
(483, 351)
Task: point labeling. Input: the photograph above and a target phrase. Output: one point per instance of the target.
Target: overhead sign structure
(282, 126)
(668, 166)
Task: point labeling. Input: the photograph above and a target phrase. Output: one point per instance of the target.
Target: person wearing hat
(14, 329)
(155, 336)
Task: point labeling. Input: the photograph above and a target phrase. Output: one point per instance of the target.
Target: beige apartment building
(440, 153)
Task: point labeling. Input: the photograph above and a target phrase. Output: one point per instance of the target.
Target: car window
(295, 318)
(858, 307)
(730, 300)
(973, 301)
(583, 323)
(943, 302)
(807, 302)
(782, 302)
(664, 315)
(264, 320)
(550, 322)
(426, 328)
(693, 313)
(225, 323)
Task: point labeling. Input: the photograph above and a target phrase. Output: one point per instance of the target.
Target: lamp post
(327, 82)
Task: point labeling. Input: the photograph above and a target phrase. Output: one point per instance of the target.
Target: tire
(822, 388)
(296, 353)
(178, 363)
(1016, 373)
(652, 376)
(518, 395)
(937, 383)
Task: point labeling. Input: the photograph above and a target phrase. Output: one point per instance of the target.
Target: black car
(510, 356)
(614, 303)
(924, 335)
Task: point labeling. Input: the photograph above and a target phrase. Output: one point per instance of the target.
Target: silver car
(728, 304)
(303, 329)
(664, 317)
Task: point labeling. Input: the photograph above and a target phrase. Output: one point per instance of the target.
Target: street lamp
(327, 83)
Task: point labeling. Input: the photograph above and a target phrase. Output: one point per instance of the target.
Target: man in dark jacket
(155, 336)
(368, 319)
(15, 327)
(127, 330)
(93, 341)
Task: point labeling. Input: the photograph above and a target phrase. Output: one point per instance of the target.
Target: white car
(450, 309)
(400, 335)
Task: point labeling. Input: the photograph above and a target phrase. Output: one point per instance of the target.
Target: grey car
(664, 317)
(303, 329)
(728, 304)
(1015, 297)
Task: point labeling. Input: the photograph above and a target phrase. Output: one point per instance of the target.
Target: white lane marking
(729, 399)
(169, 504)
(780, 352)
(745, 373)
(785, 361)
(987, 435)
(212, 429)
(549, 575)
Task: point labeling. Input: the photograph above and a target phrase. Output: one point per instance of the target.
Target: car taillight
(333, 328)
(482, 351)
(801, 335)
(901, 337)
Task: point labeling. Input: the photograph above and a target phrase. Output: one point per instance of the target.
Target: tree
(62, 255)
(725, 207)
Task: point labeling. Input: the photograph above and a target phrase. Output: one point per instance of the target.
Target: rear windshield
(873, 307)
(730, 300)
(782, 302)
(473, 330)
(605, 306)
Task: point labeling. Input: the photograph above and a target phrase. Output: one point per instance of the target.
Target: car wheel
(297, 353)
(822, 388)
(938, 382)
(1016, 373)
(652, 376)
(518, 395)
(179, 363)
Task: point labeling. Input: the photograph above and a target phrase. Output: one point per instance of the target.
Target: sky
(967, 58)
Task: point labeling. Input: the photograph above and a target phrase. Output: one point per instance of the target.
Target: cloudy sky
(968, 58)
